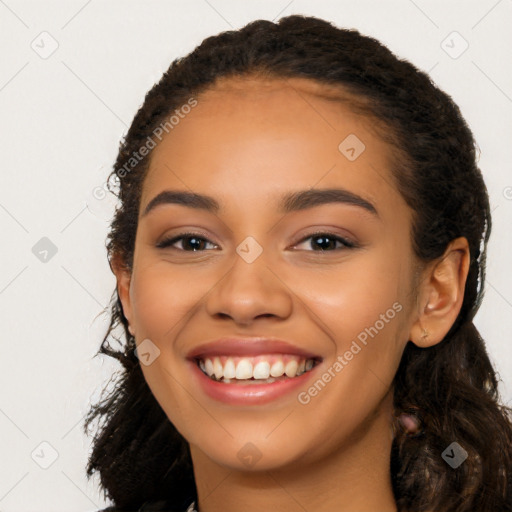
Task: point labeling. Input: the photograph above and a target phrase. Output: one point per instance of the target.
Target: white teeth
(262, 370)
(291, 368)
(244, 369)
(277, 369)
(229, 369)
(257, 369)
(209, 367)
(217, 368)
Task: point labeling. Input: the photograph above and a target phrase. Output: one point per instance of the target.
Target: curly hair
(450, 387)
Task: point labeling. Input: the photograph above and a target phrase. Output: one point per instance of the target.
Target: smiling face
(331, 274)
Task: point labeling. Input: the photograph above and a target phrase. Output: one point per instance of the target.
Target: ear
(123, 277)
(440, 294)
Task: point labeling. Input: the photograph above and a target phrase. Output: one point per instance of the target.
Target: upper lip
(248, 347)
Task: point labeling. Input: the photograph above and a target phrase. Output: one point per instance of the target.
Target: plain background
(62, 117)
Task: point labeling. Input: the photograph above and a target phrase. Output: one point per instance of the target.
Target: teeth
(277, 369)
(291, 368)
(217, 368)
(209, 367)
(244, 369)
(229, 369)
(264, 368)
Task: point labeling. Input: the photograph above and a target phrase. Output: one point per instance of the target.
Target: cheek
(163, 299)
(366, 324)
(358, 294)
(363, 310)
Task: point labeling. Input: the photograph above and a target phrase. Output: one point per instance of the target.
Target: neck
(355, 477)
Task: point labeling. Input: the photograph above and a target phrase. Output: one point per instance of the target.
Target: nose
(249, 291)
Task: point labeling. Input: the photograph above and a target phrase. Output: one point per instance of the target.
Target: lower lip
(248, 394)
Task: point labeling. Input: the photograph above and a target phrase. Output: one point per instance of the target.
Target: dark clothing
(155, 506)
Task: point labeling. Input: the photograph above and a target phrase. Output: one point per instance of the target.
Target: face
(330, 275)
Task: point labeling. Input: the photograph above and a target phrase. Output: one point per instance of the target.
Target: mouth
(261, 369)
(250, 371)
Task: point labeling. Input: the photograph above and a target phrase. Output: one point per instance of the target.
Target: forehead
(269, 101)
(255, 136)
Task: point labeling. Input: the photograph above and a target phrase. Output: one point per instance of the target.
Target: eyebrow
(290, 202)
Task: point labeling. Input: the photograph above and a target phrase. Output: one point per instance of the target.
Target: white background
(61, 120)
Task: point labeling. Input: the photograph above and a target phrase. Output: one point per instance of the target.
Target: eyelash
(168, 242)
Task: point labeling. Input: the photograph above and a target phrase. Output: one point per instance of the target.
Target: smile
(249, 381)
(266, 368)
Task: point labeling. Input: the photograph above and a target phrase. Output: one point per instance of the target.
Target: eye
(328, 241)
(194, 240)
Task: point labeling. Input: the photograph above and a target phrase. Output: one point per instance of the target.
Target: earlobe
(441, 294)
(123, 278)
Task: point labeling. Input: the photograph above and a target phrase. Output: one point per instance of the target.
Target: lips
(249, 347)
(250, 371)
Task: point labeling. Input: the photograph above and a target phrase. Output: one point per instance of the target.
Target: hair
(450, 387)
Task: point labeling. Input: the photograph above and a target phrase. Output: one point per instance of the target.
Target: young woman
(300, 252)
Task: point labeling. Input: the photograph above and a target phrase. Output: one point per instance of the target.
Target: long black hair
(451, 387)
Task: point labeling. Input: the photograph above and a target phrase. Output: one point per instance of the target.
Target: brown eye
(192, 242)
(327, 242)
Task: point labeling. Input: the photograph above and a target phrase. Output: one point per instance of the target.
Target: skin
(246, 143)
